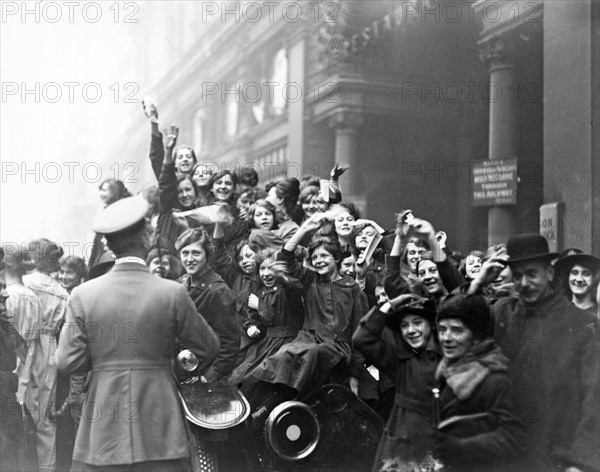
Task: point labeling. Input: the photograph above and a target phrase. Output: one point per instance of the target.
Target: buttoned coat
(122, 327)
(553, 348)
(215, 301)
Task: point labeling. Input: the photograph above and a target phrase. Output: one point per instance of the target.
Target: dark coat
(395, 284)
(332, 313)
(242, 285)
(157, 154)
(497, 445)
(413, 372)
(122, 327)
(279, 318)
(374, 272)
(167, 231)
(215, 301)
(554, 352)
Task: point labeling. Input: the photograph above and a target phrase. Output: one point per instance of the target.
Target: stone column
(297, 53)
(504, 133)
(347, 125)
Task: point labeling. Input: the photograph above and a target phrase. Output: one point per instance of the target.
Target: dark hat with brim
(423, 307)
(528, 247)
(121, 215)
(572, 257)
(104, 264)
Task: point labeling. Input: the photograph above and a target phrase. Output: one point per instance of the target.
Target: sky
(69, 74)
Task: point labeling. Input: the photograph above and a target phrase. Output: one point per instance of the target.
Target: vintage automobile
(329, 430)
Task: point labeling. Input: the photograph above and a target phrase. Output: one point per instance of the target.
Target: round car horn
(292, 431)
(187, 360)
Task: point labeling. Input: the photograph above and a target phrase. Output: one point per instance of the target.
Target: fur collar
(465, 375)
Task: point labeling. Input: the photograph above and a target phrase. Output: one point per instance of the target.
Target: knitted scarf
(464, 375)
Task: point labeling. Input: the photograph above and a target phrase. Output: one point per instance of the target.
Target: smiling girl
(344, 225)
(470, 266)
(410, 357)
(263, 226)
(176, 193)
(308, 201)
(212, 297)
(276, 317)
(222, 187)
(334, 305)
(576, 271)
(284, 196)
(201, 175)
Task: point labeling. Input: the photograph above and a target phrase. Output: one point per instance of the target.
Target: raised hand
(338, 170)
(490, 270)
(402, 226)
(401, 299)
(422, 228)
(313, 223)
(171, 137)
(150, 108)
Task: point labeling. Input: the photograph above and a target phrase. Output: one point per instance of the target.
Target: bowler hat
(121, 215)
(528, 247)
(571, 257)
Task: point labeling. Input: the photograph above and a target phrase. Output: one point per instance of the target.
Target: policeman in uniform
(121, 327)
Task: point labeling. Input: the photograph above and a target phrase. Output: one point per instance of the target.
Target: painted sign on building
(495, 183)
(550, 225)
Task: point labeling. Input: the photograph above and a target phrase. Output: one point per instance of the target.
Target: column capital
(346, 119)
(498, 49)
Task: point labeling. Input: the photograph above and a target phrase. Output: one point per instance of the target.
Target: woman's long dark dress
(332, 313)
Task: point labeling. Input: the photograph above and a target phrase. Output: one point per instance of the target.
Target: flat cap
(121, 215)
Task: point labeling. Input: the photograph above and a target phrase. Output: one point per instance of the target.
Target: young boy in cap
(122, 327)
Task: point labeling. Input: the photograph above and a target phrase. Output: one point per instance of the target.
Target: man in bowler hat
(554, 352)
(121, 327)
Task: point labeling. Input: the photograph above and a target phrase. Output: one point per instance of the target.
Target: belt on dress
(128, 363)
(280, 332)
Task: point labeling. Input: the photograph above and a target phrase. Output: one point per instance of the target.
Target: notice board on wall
(494, 183)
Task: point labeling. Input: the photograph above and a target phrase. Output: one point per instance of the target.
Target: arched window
(198, 128)
(232, 110)
(280, 78)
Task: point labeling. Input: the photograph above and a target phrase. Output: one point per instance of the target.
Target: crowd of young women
(301, 291)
